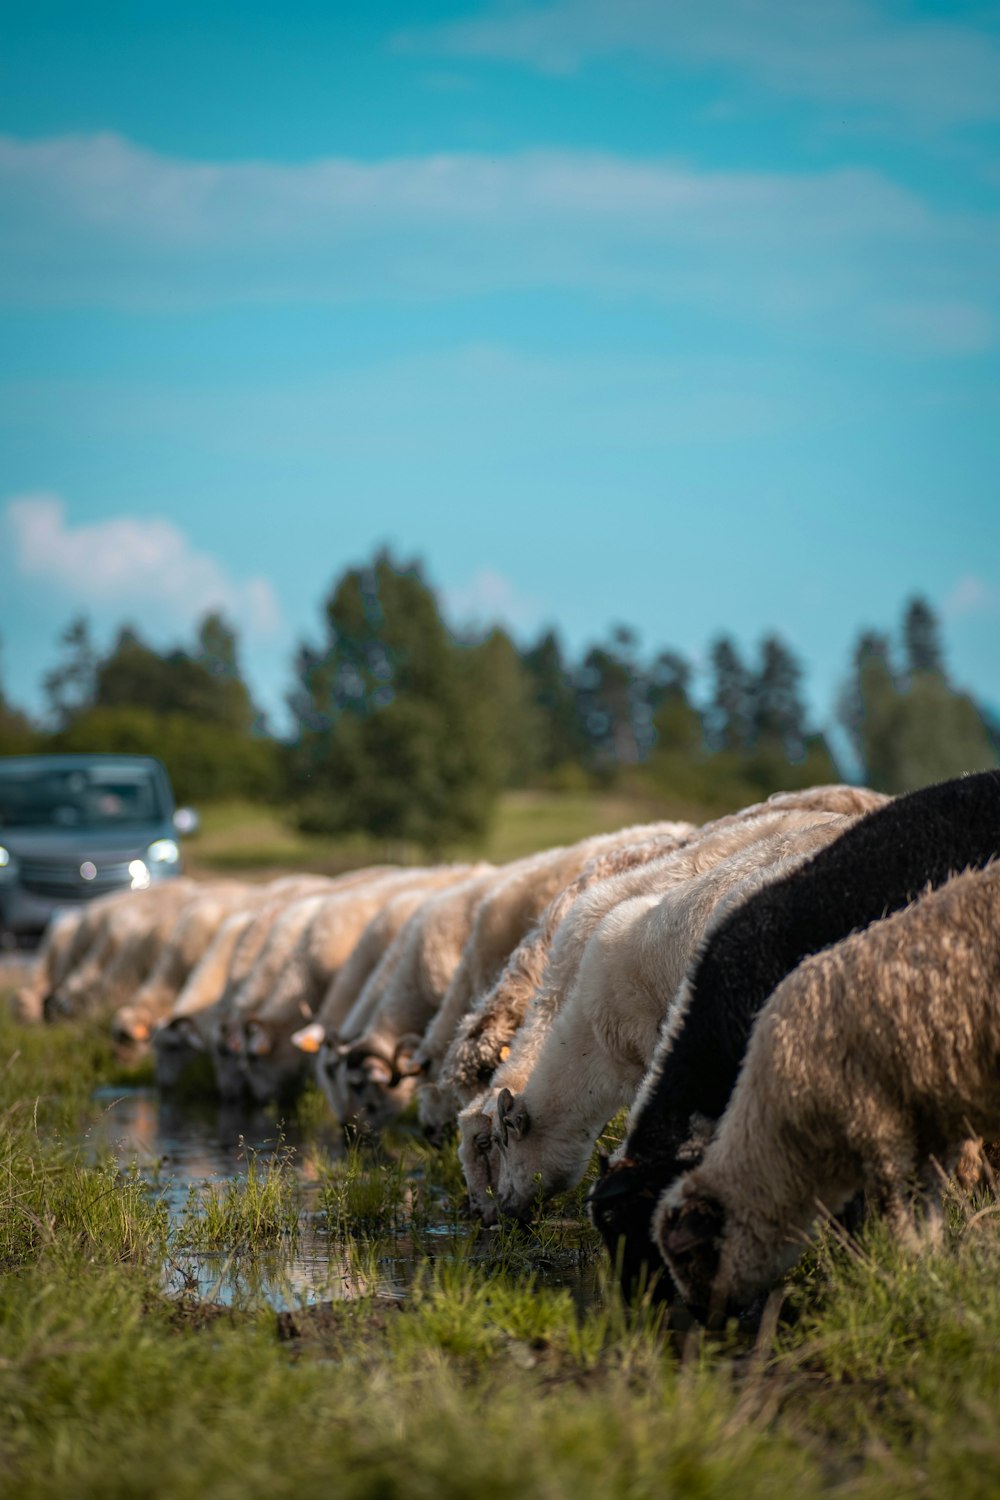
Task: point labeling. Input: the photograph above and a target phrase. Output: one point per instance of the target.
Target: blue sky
(683, 313)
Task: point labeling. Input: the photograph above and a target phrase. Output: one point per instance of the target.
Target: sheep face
(689, 1226)
(227, 1063)
(130, 1032)
(175, 1046)
(330, 1074)
(272, 1065)
(374, 1091)
(478, 1153)
(621, 1205)
(532, 1162)
(721, 1259)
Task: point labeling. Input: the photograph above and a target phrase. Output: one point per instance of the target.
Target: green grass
(492, 1377)
(238, 837)
(254, 1212)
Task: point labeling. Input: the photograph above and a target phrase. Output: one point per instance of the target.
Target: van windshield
(100, 795)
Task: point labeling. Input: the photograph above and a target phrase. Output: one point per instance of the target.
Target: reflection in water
(180, 1145)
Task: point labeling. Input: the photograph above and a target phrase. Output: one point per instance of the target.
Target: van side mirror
(186, 821)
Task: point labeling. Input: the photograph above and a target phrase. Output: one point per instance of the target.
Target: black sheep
(878, 866)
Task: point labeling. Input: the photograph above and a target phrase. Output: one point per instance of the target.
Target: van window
(100, 795)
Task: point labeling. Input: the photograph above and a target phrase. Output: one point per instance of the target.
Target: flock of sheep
(799, 1001)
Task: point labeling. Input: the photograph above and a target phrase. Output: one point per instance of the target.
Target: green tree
(388, 739)
(217, 653)
(69, 687)
(922, 639)
(912, 728)
(17, 734)
(204, 686)
(562, 742)
(775, 708)
(206, 762)
(728, 717)
(614, 703)
(509, 719)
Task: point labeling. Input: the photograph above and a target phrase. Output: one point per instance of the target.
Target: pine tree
(922, 639)
(562, 740)
(69, 687)
(776, 712)
(509, 720)
(728, 718)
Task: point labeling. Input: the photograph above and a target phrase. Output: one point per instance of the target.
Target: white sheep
(129, 928)
(478, 1146)
(504, 920)
(272, 1007)
(869, 1066)
(202, 1023)
(357, 991)
(193, 932)
(185, 1032)
(599, 1045)
(63, 943)
(378, 1068)
(183, 1035)
(482, 1039)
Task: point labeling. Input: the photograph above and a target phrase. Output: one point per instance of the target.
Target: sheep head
(689, 1226)
(407, 1060)
(129, 1029)
(257, 1040)
(621, 1204)
(179, 1033)
(478, 1153)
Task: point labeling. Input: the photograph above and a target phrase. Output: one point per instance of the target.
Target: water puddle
(180, 1146)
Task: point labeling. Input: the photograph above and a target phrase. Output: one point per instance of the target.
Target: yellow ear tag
(504, 1053)
(310, 1038)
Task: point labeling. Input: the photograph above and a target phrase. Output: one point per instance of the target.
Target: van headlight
(163, 852)
(6, 862)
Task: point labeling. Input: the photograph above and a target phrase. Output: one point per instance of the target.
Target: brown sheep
(868, 1068)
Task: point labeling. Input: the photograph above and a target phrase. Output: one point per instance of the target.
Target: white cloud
(971, 595)
(96, 219)
(949, 326)
(143, 564)
(920, 70)
(490, 598)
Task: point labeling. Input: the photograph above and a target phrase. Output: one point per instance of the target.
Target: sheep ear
(258, 1039)
(512, 1116)
(309, 1038)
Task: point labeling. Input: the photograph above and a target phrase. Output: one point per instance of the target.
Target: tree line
(405, 730)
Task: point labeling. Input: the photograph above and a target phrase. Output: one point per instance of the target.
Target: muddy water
(180, 1146)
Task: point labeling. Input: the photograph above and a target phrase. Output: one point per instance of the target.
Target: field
(496, 1363)
(244, 839)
